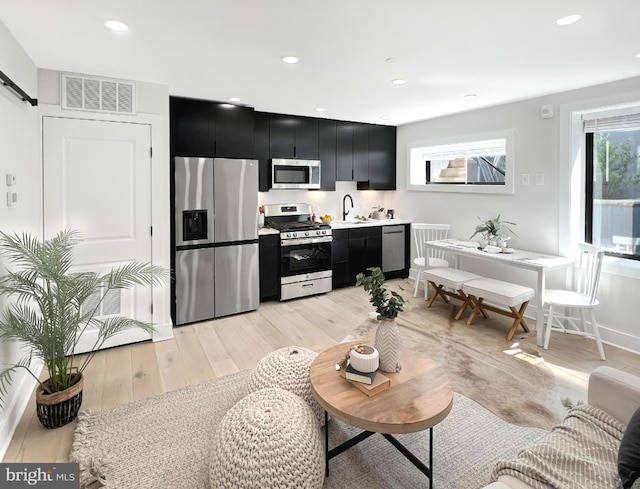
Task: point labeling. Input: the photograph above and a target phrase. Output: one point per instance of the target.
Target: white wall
(539, 211)
(20, 145)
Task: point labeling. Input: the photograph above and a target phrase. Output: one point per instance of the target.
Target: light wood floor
(215, 348)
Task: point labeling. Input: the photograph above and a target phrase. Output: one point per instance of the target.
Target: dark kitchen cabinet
(234, 131)
(365, 249)
(261, 141)
(293, 137)
(360, 152)
(340, 259)
(193, 127)
(327, 153)
(354, 250)
(344, 151)
(269, 253)
(206, 128)
(381, 159)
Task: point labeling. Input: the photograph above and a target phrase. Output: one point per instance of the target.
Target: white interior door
(97, 180)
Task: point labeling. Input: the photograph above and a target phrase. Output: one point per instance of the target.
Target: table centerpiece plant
(388, 304)
(52, 307)
(491, 229)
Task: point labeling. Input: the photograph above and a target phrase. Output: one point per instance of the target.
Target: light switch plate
(12, 198)
(11, 179)
(539, 178)
(525, 178)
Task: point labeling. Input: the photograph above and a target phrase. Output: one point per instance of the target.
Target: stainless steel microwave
(295, 174)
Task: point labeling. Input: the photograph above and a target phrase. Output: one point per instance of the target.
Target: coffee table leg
(428, 471)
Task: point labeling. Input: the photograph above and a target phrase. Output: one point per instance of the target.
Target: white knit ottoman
(287, 368)
(270, 438)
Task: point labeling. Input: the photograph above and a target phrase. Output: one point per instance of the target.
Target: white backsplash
(330, 202)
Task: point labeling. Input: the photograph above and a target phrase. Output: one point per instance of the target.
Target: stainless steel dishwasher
(392, 248)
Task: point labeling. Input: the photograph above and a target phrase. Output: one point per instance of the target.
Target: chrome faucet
(345, 212)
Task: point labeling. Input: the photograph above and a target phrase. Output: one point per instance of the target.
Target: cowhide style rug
(511, 379)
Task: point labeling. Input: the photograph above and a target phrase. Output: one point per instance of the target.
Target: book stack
(369, 383)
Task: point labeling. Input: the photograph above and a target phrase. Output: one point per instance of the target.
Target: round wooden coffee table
(420, 396)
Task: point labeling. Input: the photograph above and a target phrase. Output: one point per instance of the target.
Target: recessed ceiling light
(116, 25)
(638, 55)
(319, 109)
(290, 59)
(470, 96)
(398, 81)
(233, 99)
(569, 19)
(391, 60)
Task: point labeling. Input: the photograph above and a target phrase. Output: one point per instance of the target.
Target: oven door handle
(298, 241)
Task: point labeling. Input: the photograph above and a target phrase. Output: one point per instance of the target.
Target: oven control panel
(313, 233)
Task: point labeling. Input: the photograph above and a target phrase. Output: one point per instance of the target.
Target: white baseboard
(164, 332)
(21, 390)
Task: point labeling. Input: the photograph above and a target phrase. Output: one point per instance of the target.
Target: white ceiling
(500, 50)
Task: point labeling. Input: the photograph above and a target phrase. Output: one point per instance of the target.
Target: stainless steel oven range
(305, 250)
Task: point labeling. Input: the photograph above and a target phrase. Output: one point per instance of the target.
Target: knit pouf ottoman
(287, 368)
(270, 438)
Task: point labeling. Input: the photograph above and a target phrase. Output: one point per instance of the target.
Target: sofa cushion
(629, 453)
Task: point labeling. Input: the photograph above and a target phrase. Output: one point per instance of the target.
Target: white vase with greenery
(388, 304)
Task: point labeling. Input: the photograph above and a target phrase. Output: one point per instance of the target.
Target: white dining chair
(582, 299)
(428, 232)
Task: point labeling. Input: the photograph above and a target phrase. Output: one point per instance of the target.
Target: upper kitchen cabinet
(352, 151)
(193, 126)
(360, 152)
(262, 150)
(344, 151)
(381, 159)
(234, 131)
(205, 128)
(327, 153)
(293, 137)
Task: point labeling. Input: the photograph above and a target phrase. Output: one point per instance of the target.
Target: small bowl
(366, 362)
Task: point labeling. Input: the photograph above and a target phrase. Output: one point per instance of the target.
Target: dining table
(538, 263)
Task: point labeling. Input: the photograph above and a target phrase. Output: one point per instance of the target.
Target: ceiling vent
(98, 94)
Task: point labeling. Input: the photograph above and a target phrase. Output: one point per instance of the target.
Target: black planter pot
(60, 408)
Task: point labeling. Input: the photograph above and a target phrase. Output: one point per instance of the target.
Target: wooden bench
(446, 280)
(501, 293)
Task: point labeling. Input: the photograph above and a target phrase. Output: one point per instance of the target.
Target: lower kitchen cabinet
(269, 267)
(354, 250)
(365, 249)
(340, 259)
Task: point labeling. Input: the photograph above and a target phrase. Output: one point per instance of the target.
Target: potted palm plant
(51, 309)
(388, 304)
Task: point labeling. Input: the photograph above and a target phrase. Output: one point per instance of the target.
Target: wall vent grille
(98, 94)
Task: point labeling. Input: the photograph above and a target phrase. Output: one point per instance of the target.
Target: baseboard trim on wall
(23, 388)
(163, 333)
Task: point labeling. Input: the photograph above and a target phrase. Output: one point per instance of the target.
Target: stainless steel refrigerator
(216, 224)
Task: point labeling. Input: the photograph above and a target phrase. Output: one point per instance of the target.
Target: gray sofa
(610, 389)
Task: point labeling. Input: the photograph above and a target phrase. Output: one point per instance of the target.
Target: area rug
(511, 379)
(163, 442)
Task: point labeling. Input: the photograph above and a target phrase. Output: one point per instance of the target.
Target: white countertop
(368, 223)
(348, 225)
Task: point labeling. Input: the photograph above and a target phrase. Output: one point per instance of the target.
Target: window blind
(618, 122)
(462, 150)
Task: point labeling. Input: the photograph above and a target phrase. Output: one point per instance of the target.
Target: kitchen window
(478, 164)
(612, 181)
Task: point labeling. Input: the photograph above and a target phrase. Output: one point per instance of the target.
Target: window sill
(621, 267)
